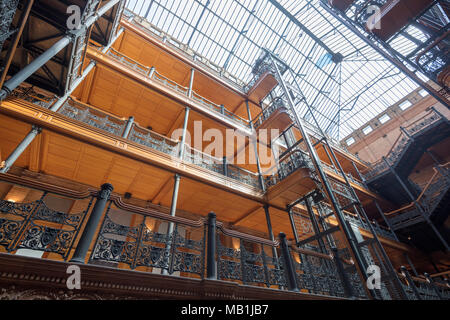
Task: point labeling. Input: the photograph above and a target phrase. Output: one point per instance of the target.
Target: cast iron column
(92, 223)
(211, 267)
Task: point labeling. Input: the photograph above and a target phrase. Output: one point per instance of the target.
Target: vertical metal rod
(191, 83)
(433, 285)
(173, 210)
(92, 223)
(270, 230)
(151, 72)
(294, 228)
(411, 282)
(225, 166)
(211, 266)
(127, 130)
(183, 136)
(289, 269)
(253, 139)
(315, 224)
(316, 161)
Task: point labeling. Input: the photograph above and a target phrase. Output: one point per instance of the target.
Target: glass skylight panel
(231, 33)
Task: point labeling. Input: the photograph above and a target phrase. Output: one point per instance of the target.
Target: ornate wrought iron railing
(35, 225)
(289, 163)
(423, 288)
(249, 262)
(428, 200)
(150, 242)
(145, 70)
(400, 145)
(273, 106)
(112, 124)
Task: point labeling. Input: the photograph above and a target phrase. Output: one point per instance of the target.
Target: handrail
(380, 163)
(145, 70)
(436, 172)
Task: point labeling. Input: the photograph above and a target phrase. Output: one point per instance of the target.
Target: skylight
(384, 118)
(405, 105)
(231, 33)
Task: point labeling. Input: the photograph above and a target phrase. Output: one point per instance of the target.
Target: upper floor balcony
(182, 95)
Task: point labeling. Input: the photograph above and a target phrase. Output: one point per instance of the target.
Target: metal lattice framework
(231, 34)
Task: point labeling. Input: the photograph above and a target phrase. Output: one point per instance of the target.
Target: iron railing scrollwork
(161, 79)
(181, 250)
(35, 226)
(250, 263)
(402, 142)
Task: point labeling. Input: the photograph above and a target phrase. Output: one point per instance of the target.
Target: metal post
(411, 282)
(225, 166)
(191, 83)
(35, 130)
(92, 223)
(183, 136)
(127, 130)
(173, 210)
(211, 266)
(346, 285)
(433, 285)
(254, 141)
(424, 215)
(289, 269)
(294, 229)
(329, 191)
(151, 72)
(270, 230)
(386, 220)
(314, 224)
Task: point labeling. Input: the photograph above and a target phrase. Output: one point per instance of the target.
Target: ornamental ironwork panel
(152, 140)
(35, 226)
(94, 118)
(249, 264)
(7, 11)
(138, 246)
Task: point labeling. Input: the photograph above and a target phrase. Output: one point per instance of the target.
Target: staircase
(412, 222)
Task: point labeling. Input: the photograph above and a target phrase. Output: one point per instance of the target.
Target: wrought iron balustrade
(95, 118)
(291, 162)
(217, 165)
(248, 262)
(150, 242)
(175, 86)
(399, 146)
(153, 140)
(34, 225)
(423, 289)
(273, 106)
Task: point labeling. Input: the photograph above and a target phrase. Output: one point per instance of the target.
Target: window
(405, 105)
(423, 93)
(367, 130)
(350, 141)
(384, 118)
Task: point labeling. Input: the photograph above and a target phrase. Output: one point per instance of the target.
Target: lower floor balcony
(125, 250)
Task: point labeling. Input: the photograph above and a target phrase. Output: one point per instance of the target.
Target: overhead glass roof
(231, 33)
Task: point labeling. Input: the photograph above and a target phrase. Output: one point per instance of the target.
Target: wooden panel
(12, 133)
(262, 87)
